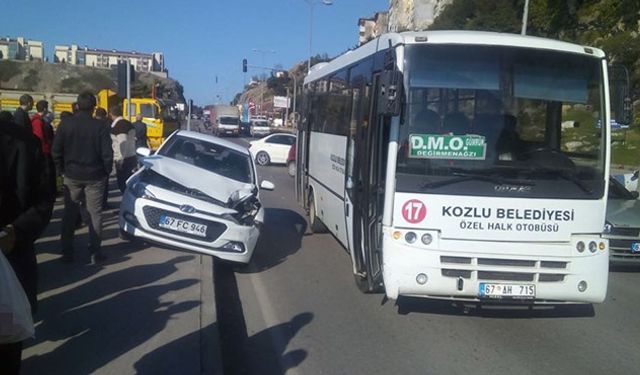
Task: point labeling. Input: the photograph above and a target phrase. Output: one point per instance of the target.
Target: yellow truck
(58, 103)
(158, 114)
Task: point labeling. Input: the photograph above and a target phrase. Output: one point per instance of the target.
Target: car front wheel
(262, 158)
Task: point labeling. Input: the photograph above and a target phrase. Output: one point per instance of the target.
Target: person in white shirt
(123, 136)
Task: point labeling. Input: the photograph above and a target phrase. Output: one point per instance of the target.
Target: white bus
(462, 165)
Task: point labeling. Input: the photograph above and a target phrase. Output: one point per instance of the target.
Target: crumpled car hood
(210, 183)
(623, 213)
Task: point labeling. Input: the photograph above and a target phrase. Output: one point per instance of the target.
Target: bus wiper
(565, 175)
(467, 176)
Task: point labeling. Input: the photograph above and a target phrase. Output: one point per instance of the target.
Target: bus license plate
(183, 226)
(523, 291)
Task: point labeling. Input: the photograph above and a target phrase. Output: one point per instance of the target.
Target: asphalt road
(296, 309)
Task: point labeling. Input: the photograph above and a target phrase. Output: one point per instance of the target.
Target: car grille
(629, 232)
(504, 269)
(153, 214)
(621, 249)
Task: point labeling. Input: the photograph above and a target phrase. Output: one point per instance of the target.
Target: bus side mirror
(390, 93)
(621, 106)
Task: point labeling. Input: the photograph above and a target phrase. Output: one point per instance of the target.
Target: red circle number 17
(414, 211)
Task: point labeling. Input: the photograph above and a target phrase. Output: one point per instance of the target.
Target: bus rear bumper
(457, 275)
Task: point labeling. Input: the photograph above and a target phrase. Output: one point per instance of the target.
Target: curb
(210, 353)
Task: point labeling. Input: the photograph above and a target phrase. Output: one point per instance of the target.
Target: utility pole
(189, 116)
(129, 89)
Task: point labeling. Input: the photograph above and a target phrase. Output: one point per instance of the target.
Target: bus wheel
(365, 286)
(314, 222)
(262, 158)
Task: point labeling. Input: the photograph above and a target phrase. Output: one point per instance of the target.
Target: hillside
(46, 77)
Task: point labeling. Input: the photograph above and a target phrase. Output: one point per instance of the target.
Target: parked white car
(198, 193)
(272, 149)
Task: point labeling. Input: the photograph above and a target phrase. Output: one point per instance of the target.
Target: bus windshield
(502, 121)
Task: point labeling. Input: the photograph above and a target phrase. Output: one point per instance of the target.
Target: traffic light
(244, 65)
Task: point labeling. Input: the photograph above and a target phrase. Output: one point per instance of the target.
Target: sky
(201, 39)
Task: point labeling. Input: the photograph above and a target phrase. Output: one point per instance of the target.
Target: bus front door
(365, 195)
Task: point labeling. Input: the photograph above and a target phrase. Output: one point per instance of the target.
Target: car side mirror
(143, 151)
(267, 185)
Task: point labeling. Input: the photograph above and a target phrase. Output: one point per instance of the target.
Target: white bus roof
(449, 37)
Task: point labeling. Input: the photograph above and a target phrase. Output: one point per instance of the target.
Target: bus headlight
(427, 238)
(580, 246)
(410, 237)
(593, 246)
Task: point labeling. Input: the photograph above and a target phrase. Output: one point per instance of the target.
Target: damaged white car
(199, 193)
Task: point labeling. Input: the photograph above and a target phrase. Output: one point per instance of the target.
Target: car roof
(212, 139)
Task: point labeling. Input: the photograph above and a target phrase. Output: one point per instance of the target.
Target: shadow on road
(91, 336)
(407, 305)
(170, 358)
(262, 353)
(280, 237)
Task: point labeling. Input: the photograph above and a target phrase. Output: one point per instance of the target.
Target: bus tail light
(593, 246)
(580, 246)
(421, 278)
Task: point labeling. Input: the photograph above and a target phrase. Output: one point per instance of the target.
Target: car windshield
(210, 156)
(226, 120)
(510, 119)
(261, 123)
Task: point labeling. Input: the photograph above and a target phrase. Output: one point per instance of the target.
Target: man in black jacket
(83, 155)
(25, 210)
(21, 115)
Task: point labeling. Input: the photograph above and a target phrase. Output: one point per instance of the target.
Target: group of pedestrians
(84, 150)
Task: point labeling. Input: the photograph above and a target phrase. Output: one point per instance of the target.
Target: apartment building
(102, 58)
(21, 49)
(414, 15)
(371, 28)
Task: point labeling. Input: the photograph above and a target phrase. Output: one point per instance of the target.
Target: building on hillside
(21, 49)
(101, 58)
(371, 28)
(414, 15)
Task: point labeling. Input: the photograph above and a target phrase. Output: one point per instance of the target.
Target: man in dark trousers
(83, 155)
(25, 210)
(141, 132)
(21, 115)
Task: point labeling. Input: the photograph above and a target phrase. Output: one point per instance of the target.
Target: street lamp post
(262, 52)
(525, 17)
(311, 4)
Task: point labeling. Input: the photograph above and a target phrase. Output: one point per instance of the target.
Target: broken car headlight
(139, 190)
